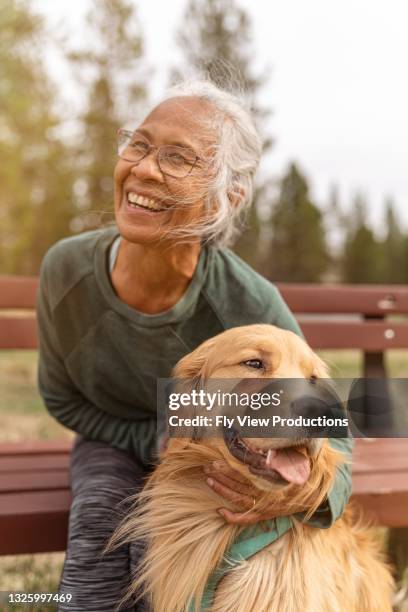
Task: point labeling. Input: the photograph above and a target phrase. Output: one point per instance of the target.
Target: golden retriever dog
(307, 569)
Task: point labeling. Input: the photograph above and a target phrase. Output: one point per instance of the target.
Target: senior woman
(119, 307)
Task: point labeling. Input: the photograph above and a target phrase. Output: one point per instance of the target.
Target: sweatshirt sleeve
(340, 493)
(68, 405)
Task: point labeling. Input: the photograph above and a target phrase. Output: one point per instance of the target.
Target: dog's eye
(257, 364)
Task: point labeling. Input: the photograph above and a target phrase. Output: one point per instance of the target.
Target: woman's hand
(234, 487)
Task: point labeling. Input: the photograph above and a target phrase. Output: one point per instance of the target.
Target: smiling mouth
(290, 465)
(141, 202)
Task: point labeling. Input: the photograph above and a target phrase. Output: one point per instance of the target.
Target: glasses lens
(131, 147)
(176, 161)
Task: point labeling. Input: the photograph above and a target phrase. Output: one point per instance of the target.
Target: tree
(115, 95)
(216, 38)
(393, 268)
(297, 249)
(36, 204)
(361, 254)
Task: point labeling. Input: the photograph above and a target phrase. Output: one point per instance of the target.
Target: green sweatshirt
(100, 359)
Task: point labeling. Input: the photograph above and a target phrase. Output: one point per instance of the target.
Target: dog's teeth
(269, 457)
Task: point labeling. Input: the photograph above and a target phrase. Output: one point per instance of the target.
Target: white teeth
(137, 200)
(269, 457)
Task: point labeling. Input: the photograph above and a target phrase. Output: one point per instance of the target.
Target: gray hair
(236, 158)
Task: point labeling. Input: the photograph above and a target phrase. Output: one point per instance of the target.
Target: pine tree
(216, 39)
(116, 93)
(362, 253)
(297, 250)
(393, 247)
(36, 204)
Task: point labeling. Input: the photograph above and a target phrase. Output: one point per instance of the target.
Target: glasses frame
(128, 134)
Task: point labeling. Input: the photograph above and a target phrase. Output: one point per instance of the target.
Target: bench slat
(388, 510)
(357, 299)
(18, 291)
(380, 455)
(34, 522)
(37, 481)
(35, 447)
(18, 333)
(381, 484)
(369, 336)
(41, 463)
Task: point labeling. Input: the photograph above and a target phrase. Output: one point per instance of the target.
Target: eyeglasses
(173, 161)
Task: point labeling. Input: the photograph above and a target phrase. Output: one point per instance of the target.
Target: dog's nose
(309, 407)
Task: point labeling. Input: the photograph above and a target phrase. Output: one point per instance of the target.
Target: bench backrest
(352, 317)
(331, 316)
(17, 312)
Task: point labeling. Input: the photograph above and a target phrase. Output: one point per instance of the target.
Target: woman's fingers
(244, 501)
(238, 487)
(240, 518)
(222, 467)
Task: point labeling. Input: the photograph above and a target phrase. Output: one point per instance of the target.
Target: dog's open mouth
(290, 465)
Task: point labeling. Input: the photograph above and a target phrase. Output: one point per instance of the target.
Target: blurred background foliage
(55, 182)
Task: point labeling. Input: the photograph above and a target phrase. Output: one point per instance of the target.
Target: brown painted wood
(18, 291)
(18, 332)
(369, 336)
(388, 510)
(33, 522)
(372, 452)
(341, 299)
(381, 483)
(35, 447)
(42, 463)
(33, 481)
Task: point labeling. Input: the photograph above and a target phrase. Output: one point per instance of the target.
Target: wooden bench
(34, 490)
(34, 497)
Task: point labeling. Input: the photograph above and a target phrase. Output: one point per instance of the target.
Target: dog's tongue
(291, 465)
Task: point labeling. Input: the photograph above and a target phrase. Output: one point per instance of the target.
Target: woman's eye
(139, 145)
(176, 159)
(257, 364)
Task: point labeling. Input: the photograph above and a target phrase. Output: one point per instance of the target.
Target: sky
(337, 88)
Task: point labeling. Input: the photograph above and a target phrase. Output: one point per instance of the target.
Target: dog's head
(262, 352)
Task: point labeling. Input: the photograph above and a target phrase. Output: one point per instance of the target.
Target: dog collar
(250, 541)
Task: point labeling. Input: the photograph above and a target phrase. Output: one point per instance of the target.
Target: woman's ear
(236, 195)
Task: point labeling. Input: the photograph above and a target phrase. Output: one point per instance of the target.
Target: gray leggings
(102, 477)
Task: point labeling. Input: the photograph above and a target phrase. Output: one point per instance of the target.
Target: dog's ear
(194, 364)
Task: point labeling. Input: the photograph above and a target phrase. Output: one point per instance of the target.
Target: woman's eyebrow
(175, 143)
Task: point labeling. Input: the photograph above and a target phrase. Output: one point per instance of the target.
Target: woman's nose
(148, 168)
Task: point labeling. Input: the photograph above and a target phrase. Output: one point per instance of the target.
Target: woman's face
(178, 201)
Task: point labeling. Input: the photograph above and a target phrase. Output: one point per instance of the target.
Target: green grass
(31, 574)
(22, 412)
(349, 363)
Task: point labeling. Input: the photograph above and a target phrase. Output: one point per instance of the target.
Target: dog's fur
(339, 569)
